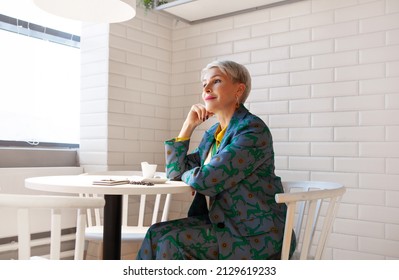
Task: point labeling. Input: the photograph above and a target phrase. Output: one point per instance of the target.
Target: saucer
(155, 180)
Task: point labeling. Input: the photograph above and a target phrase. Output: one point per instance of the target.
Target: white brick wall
(128, 119)
(325, 80)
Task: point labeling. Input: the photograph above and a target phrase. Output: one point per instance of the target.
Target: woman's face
(219, 92)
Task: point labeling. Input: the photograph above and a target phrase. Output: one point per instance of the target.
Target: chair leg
(80, 233)
(55, 243)
(23, 234)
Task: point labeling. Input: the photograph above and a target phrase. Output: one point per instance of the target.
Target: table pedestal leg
(112, 227)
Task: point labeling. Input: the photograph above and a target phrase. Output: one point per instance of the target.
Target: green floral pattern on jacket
(241, 183)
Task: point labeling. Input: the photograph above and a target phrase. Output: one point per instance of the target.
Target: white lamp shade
(104, 11)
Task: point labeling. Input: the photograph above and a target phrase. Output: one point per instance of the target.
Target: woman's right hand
(197, 115)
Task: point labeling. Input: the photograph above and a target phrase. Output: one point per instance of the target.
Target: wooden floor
(128, 250)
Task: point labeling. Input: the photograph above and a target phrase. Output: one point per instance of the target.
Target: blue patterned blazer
(241, 184)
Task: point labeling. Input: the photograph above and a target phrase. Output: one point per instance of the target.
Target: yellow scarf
(219, 134)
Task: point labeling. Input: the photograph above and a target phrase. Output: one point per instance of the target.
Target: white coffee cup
(148, 169)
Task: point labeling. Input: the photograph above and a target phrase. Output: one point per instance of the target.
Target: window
(40, 84)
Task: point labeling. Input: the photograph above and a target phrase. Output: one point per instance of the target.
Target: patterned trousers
(189, 238)
(194, 238)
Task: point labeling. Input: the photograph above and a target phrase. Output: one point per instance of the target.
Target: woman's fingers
(209, 114)
(200, 112)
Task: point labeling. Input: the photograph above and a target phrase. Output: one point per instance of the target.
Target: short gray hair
(237, 72)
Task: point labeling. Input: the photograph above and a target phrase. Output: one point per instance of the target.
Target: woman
(234, 167)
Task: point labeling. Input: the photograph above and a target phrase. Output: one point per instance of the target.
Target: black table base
(112, 227)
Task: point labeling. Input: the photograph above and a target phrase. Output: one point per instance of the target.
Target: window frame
(38, 31)
(38, 154)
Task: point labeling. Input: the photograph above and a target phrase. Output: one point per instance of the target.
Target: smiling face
(219, 92)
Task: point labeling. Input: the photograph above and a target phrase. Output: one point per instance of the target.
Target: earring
(237, 103)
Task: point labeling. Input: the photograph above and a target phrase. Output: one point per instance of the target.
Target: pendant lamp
(97, 11)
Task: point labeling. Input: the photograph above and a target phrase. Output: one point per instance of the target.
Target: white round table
(113, 199)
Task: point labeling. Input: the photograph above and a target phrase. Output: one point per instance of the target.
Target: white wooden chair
(145, 210)
(312, 206)
(24, 204)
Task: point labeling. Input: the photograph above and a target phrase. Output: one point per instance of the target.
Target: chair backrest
(312, 206)
(26, 203)
(148, 209)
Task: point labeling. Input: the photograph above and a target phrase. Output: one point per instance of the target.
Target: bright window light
(39, 90)
(39, 79)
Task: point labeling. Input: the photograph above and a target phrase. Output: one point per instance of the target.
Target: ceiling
(27, 11)
(191, 11)
(196, 11)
